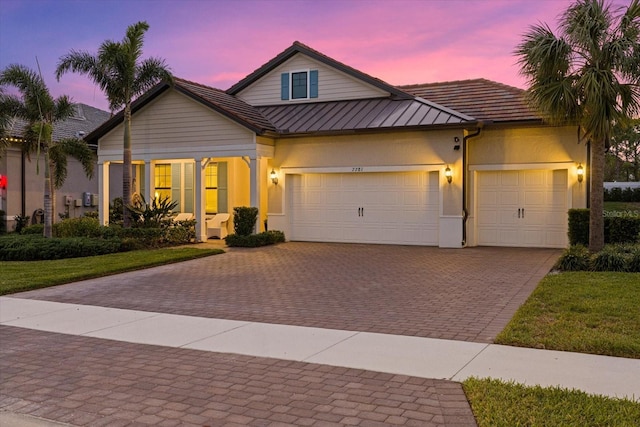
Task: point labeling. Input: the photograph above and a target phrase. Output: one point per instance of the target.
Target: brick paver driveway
(462, 294)
(459, 294)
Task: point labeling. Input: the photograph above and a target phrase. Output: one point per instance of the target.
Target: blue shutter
(284, 88)
(223, 186)
(313, 84)
(188, 187)
(176, 191)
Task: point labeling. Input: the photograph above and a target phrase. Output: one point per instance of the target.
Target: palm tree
(588, 76)
(122, 77)
(41, 112)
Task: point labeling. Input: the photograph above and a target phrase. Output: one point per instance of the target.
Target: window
(211, 188)
(163, 181)
(299, 85)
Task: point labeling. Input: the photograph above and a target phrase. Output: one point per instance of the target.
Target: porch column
(103, 192)
(199, 196)
(255, 178)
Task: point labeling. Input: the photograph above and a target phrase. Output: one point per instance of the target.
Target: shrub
(33, 229)
(578, 226)
(610, 258)
(79, 227)
(618, 227)
(21, 222)
(575, 258)
(618, 194)
(181, 232)
(633, 261)
(154, 214)
(115, 211)
(34, 248)
(255, 240)
(244, 220)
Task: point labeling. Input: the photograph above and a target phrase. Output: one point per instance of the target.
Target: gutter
(465, 212)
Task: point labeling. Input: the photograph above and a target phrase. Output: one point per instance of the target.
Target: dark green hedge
(622, 194)
(244, 220)
(35, 248)
(617, 229)
(618, 257)
(255, 240)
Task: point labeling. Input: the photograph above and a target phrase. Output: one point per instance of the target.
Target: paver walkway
(456, 294)
(460, 294)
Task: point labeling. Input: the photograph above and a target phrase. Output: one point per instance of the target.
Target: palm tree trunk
(52, 192)
(47, 196)
(596, 200)
(126, 168)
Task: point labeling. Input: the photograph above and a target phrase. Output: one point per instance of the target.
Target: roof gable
(299, 48)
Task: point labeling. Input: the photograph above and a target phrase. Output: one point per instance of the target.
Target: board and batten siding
(333, 85)
(176, 126)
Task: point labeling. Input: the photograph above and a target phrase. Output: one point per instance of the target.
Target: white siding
(333, 85)
(175, 125)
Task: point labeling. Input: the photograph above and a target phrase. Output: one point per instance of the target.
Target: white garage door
(391, 208)
(522, 208)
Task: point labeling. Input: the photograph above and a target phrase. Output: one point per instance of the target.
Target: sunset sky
(218, 42)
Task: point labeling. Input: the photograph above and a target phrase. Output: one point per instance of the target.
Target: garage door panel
(398, 208)
(527, 208)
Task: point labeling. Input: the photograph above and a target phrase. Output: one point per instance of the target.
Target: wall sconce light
(456, 143)
(274, 177)
(580, 172)
(448, 174)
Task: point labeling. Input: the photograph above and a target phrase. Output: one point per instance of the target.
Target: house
(329, 153)
(24, 192)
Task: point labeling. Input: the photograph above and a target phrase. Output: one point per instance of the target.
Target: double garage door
(391, 208)
(522, 208)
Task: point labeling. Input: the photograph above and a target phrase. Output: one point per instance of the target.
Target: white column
(255, 177)
(103, 189)
(199, 195)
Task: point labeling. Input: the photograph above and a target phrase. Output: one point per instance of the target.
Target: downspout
(465, 212)
(23, 180)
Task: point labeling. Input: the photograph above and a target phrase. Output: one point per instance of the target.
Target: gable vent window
(299, 85)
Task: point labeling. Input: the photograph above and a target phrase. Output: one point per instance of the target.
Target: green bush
(115, 211)
(21, 222)
(619, 227)
(626, 194)
(154, 214)
(578, 226)
(633, 262)
(255, 240)
(244, 220)
(33, 229)
(79, 227)
(33, 248)
(610, 258)
(575, 258)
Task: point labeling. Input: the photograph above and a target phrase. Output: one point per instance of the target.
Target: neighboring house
(328, 153)
(25, 185)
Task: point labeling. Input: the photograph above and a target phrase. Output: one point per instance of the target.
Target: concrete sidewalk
(393, 354)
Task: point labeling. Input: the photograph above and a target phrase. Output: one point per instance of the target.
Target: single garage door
(391, 208)
(522, 208)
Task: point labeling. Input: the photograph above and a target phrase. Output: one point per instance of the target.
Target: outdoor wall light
(580, 172)
(274, 177)
(448, 174)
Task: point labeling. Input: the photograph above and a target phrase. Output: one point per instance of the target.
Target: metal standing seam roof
(369, 114)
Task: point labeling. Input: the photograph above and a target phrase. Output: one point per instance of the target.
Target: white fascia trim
(363, 169)
(520, 166)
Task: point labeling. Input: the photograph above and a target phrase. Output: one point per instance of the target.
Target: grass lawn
(18, 276)
(496, 403)
(586, 312)
(622, 206)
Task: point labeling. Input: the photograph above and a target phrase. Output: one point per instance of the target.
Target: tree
(41, 112)
(588, 76)
(623, 158)
(121, 75)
